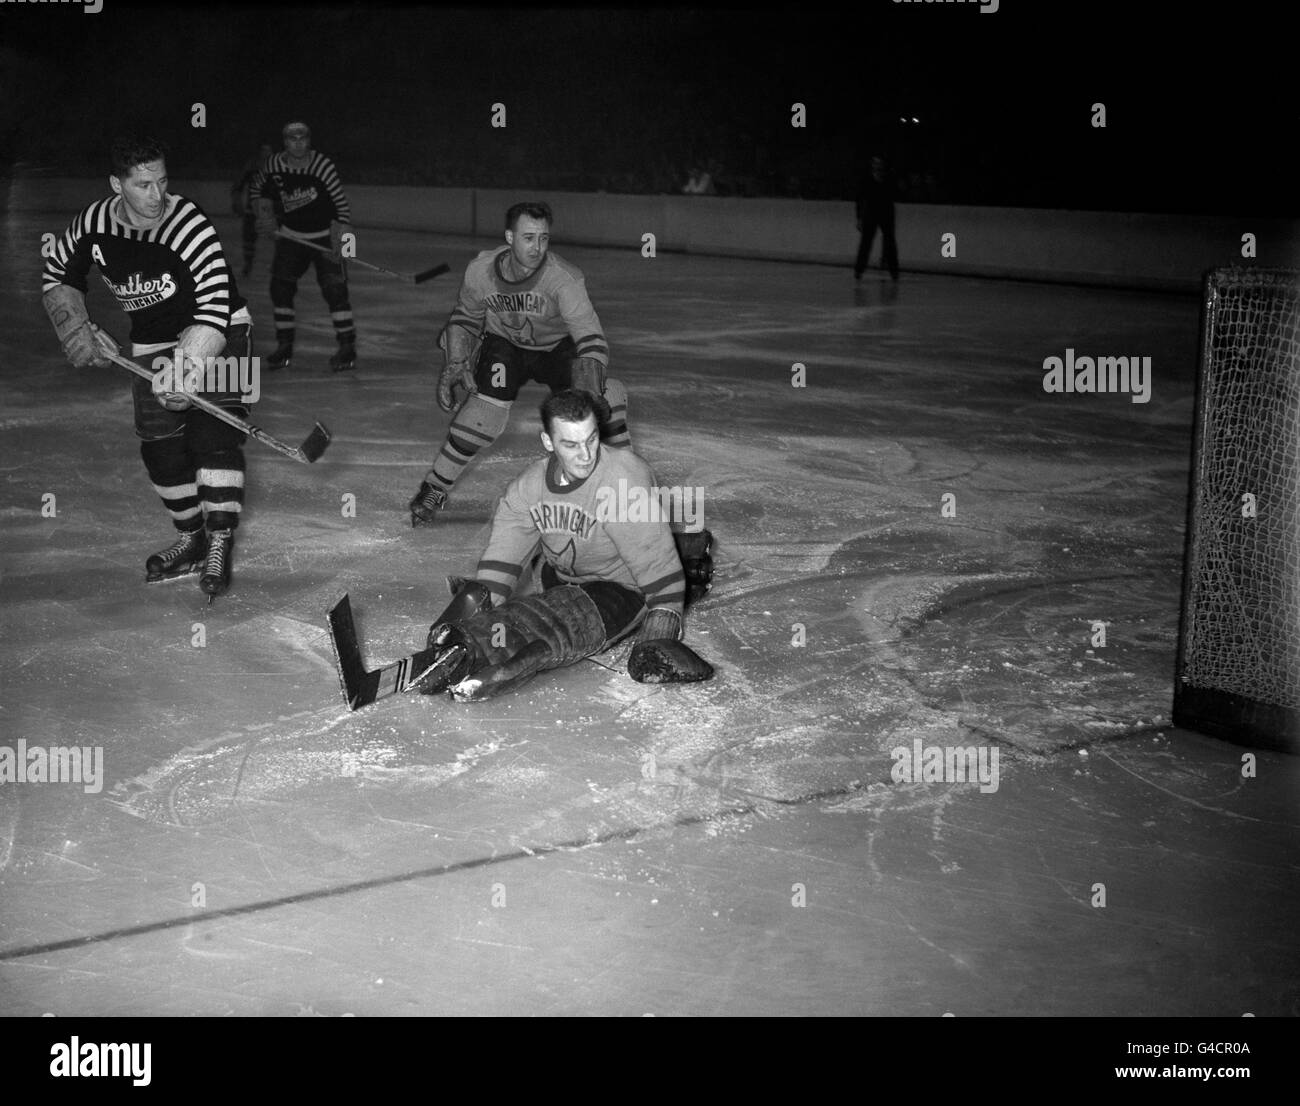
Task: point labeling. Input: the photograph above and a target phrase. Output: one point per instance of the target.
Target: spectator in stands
(699, 183)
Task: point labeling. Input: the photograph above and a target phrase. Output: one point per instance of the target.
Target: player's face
(297, 143)
(143, 191)
(576, 446)
(529, 242)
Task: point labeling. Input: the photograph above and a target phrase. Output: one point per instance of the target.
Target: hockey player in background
(161, 258)
(523, 314)
(874, 207)
(299, 189)
(602, 576)
(241, 203)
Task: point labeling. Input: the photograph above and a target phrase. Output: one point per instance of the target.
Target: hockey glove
(458, 370)
(588, 375)
(456, 376)
(265, 217)
(658, 657)
(697, 563)
(79, 337)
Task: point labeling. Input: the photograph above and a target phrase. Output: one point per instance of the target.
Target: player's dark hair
(131, 150)
(534, 209)
(570, 405)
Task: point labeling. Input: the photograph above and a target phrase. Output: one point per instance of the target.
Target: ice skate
(282, 358)
(344, 358)
(216, 569)
(183, 557)
(426, 503)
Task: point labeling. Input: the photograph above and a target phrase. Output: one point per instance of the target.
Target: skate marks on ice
(287, 759)
(1039, 664)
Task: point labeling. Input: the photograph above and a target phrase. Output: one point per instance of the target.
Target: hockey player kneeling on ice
(160, 256)
(603, 577)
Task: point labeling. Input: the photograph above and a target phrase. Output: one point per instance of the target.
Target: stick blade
(316, 443)
(347, 651)
(429, 274)
(360, 688)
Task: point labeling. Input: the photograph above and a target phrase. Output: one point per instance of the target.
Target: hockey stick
(310, 450)
(361, 688)
(418, 278)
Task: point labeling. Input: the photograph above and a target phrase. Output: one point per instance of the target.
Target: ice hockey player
(160, 256)
(299, 190)
(241, 203)
(523, 314)
(602, 576)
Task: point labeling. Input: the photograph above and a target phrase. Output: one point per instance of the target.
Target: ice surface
(666, 826)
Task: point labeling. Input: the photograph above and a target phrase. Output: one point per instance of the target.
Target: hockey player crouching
(603, 577)
(160, 256)
(523, 313)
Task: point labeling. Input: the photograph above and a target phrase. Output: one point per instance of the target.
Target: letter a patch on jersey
(97, 255)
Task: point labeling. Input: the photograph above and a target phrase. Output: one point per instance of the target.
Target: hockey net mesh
(1241, 621)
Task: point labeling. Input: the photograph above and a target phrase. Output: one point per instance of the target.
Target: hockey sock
(169, 470)
(334, 287)
(479, 423)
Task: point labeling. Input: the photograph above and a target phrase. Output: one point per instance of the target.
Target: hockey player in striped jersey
(160, 257)
(605, 572)
(523, 314)
(299, 189)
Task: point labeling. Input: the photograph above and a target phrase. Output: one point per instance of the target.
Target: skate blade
(175, 574)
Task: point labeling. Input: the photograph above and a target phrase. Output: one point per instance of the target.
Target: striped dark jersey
(167, 278)
(306, 199)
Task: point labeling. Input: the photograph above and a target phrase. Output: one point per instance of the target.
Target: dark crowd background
(968, 108)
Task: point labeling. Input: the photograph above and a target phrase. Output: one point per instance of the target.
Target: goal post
(1238, 668)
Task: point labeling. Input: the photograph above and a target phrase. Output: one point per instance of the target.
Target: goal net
(1239, 644)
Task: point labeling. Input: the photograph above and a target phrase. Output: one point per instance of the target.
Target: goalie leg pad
(566, 618)
(497, 679)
